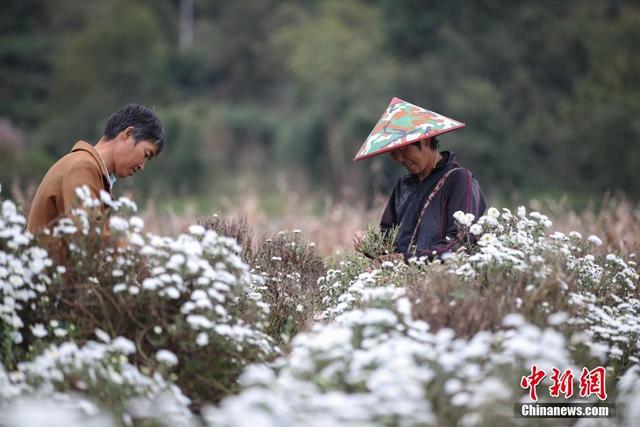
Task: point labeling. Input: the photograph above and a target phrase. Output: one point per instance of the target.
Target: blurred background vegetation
(267, 96)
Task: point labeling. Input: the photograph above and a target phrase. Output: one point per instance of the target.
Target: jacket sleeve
(462, 194)
(82, 174)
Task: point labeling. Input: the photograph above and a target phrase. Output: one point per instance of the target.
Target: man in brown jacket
(132, 136)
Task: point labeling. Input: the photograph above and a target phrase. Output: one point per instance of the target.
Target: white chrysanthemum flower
(136, 222)
(196, 230)
(123, 345)
(558, 318)
(38, 330)
(151, 283)
(198, 321)
(475, 229)
(172, 292)
(176, 261)
(488, 239)
(136, 239)
(493, 212)
(102, 335)
(118, 223)
(595, 240)
(513, 320)
(202, 339)
(557, 235)
(36, 266)
(166, 357)
(106, 198)
(463, 218)
(16, 281)
(119, 287)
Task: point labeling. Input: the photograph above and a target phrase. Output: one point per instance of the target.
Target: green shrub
(191, 295)
(376, 242)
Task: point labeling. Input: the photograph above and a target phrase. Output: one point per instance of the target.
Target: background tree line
(255, 91)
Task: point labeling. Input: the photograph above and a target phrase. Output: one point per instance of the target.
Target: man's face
(130, 157)
(414, 159)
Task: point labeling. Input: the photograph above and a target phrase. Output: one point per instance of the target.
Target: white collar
(111, 176)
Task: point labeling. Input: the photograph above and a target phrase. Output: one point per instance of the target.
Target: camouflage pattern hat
(403, 124)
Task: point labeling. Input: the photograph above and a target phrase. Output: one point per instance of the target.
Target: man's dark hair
(433, 143)
(146, 125)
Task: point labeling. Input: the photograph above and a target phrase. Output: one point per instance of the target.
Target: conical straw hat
(403, 124)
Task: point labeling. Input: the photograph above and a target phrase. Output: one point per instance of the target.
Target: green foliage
(184, 316)
(338, 279)
(298, 85)
(377, 242)
(192, 296)
(188, 163)
(599, 132)
(6, 345)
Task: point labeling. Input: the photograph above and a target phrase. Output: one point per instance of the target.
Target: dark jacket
(438, 232)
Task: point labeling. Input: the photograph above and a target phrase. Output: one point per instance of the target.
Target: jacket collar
(85, 146)
(447, 162)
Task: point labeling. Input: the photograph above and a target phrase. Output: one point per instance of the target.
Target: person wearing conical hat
(423, 202)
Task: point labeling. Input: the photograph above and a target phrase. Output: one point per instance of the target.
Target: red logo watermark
(592, 382)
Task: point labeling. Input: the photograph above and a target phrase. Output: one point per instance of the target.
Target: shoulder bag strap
(433, 194)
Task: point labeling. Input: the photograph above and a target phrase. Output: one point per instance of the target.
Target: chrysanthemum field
(212, 328)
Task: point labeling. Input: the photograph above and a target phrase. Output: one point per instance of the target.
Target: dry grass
(237, 228)
(469, 307)
(290, 266)
(616, 220)
(332, 229)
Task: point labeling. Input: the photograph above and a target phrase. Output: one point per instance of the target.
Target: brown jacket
(56, 195)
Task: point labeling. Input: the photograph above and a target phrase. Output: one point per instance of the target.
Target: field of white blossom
(129, 328)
